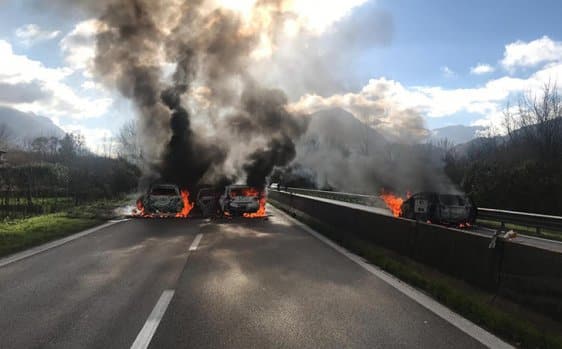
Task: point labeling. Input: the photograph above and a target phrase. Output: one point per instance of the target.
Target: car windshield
(163, 192)
(206, 192)
(245, 191)
(452, 200)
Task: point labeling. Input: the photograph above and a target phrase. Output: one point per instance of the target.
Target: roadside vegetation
(51, 187)
(519, 326)
(19, 234)
(521, 171)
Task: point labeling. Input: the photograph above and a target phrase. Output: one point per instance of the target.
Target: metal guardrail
(368, 200)
(532, 220)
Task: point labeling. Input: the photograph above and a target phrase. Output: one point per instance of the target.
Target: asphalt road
(249, 283)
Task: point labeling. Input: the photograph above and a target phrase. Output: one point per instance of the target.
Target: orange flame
(393, 202)
(140, 208)
(187, 206)
(246, 192)
(261, 212)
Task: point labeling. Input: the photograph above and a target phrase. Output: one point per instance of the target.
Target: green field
(20, 234)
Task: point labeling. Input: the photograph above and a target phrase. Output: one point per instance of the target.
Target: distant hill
(339, 129)
(457, 134)
(478, 144)
(341, 152)
(26, 126)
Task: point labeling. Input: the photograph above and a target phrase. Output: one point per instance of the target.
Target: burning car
(164, 200)
(439, 208)
(241, 200)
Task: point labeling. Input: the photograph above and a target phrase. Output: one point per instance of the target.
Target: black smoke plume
(210, 121)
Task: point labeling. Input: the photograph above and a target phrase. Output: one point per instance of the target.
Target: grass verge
(18, 235)
(509, 321)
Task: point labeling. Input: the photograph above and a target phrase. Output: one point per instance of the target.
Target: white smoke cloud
(316, 16)
(385, 105)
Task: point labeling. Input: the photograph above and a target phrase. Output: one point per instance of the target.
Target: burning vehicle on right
(242, 200)
(439, 208)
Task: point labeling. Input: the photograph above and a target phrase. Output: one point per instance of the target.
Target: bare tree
(5, 136)
(128, 143)
(537, 120)
(40, 145)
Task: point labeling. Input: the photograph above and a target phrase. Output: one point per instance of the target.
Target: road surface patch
(454, 319)
(196, 242)
(147, 332)
(151, 325)
(48, 246)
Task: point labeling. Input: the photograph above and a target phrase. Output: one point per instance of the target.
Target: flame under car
(448, 209)
(240, 200)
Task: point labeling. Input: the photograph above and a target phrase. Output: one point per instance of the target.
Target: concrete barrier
(527, 275)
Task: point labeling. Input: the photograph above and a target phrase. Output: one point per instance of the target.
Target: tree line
(50, 173)
(521, 170)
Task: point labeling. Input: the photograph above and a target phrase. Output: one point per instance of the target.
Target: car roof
(165, 186)
(437, 193)
(238, 186)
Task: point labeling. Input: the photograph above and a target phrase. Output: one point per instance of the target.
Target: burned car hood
(165, 203)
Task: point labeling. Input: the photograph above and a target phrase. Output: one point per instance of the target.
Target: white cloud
(20, 69)
(98, 140)
(62, 100)
(448, 72)
(381, 102)
(529, 54)
(481, 69)
(79, 46)
(32, 33)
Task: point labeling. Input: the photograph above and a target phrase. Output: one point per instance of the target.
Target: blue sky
(431, 35)
(457, 34)
(423, 62)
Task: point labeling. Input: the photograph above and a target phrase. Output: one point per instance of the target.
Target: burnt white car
(240, 199)
(163, 200)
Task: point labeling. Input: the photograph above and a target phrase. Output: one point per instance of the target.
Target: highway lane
(262, 284)
(95, 292)
(249, 283)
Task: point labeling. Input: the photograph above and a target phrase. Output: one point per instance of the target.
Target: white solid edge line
(468, 327)
(147, 332)
(53, 244)
(196, 242)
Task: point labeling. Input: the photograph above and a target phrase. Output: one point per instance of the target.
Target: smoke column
(210, 120)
